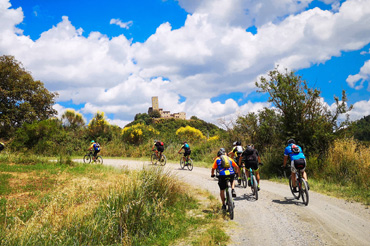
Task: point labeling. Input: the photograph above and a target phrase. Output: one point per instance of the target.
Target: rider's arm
(235, 165)
(214, 167)
(180, 149)
(285, 160)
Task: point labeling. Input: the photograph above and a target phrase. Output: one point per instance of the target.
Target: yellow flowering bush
(214, 138)
(189, 134)
(137, 134)
(98, 125)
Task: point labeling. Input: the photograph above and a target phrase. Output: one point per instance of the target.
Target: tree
(155, 114)
(99, 127)
(22, 99)
(189, 134)
(72, 119)
(304, 115)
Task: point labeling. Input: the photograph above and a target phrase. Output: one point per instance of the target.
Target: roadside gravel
(276, 218)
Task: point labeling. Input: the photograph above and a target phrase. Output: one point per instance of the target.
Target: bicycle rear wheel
(304, 192)
(255, 187)
(99, 159)
(190, 164)
(154, 159)
(87, 159)
(230, 205)
(244, 179)
(163, 160)
(295, 194)
(182, 163)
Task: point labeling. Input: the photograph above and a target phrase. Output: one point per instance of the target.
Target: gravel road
(276, 218)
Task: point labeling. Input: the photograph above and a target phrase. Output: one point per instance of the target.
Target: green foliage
(72, 119)
(303, 115)
(155, 114)
(99, 127)
(145, 118)
(22, 98)
(362, 129)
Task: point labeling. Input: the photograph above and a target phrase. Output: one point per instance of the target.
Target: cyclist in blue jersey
(227, 168)
(297, 161)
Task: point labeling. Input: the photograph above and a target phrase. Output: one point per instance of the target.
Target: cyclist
(295, 153)
(236, 153)
(251, 160)
(159, 148)
(224, 172)
(2, 146)
(96, 148)
(187, 152)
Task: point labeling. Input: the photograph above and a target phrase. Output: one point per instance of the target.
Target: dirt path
(276, 218)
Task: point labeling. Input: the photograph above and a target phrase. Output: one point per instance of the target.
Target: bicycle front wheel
(154, 159)
(99, 159)
(230, 205)
(255, 187)
(87, 159)
(163, 160)
(295, 194)
(304, 192)
(190, 164)
(182, 163)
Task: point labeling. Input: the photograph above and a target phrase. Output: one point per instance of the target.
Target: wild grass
(96, 205)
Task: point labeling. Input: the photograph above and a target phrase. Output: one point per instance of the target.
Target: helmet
(155, 141)
(250, 146)
(222, 151)
(235, 143)
(185, 142)
(238, 143)
(291, 141)
(92, 141)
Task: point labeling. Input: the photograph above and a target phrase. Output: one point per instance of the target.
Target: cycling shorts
(251, 164)
(222, 183)
(96, 152)
(187, 152)
(160, 148)
(299, 164)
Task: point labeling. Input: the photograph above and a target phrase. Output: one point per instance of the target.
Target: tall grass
(129, 208)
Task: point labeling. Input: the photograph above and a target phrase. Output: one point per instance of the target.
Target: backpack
(225, 162)
(250, 154)
(239, 149)
(161, 143)
(295, 149)
(97, 146)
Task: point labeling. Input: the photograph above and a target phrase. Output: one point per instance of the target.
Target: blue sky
(201, 57)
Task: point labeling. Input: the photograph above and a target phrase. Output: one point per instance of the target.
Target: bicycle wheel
(87, 159)
(304, 192)
(99, 159)
(182, 163)
(163, 160)
(230, 205)
(295, 194)
(154, 159)
(190, 164)
(255, 187)
(244, 179)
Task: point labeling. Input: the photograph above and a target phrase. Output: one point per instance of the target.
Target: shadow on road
(289, 200)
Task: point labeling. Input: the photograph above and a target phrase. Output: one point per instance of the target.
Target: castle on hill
(165, 114)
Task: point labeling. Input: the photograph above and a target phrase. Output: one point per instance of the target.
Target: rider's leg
(257, 173)
(222, 196)
(304, 175)
(293, 180)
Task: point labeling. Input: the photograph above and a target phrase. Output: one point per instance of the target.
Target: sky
(201, 57)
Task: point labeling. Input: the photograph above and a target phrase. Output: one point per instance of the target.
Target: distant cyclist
(159, 148)
(251, 159)
(226, 167)
(297, 158)
(187, 152)
(96, 147)
(236, 153)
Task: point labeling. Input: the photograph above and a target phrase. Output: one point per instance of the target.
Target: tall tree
(22, 99)
(304, 116)
(72, 119)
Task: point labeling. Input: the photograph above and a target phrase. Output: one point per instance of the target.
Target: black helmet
(222, 151)
(291, 141)
(238, 143)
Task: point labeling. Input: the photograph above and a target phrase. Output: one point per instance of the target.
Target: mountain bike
(254, 184)
(155, 159)
(188, 162)
(89, 156)
(228, 198)
(302, 187)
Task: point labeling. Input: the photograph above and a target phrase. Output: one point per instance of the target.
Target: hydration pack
(295, 149)
(225, 162)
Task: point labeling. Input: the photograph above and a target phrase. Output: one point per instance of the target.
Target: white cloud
(118, 22)
(212, 54)
(360, 109)
(357, 81)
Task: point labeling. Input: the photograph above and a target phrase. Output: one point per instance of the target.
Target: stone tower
(155, 105)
